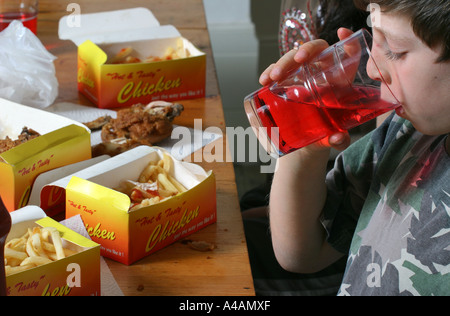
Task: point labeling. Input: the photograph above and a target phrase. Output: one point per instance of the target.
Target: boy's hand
(290, 61)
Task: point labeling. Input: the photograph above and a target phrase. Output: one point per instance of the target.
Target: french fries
(37, 247)
(155, 184)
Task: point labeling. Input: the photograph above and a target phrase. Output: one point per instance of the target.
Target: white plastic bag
(27, 72)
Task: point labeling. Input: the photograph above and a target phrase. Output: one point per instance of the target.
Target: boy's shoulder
(398, 137)
(393, 129)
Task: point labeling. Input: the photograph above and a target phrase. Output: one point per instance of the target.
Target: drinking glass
(23, 10)
(333, 93)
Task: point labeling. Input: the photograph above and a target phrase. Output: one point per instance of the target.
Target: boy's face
(409, 67)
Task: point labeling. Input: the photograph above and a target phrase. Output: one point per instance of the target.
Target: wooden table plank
(176, 269)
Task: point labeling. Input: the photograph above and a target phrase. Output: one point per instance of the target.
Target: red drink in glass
(338, 90)
(291, 118)
(29, 20)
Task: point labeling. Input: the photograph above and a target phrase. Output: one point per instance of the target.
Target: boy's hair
(430, 19)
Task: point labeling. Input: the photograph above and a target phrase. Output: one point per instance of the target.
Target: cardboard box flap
(23, 219)
(67, 234)
(60, 173)
(81, 190)
(13, 115)
(114, 26)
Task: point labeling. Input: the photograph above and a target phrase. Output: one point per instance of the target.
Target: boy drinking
(386, 203)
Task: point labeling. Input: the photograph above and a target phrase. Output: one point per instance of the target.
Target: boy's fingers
(339, 141)
(264, 79)
(291, 60)
(283, 66)
(343, 33)
(306, 53)
(310, 50)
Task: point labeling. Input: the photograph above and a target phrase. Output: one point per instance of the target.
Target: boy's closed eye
(394, 56)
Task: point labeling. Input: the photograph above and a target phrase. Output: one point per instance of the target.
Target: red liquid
(29, 20)
(301, 123)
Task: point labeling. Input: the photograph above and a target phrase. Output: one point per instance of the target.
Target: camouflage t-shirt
(388, 207)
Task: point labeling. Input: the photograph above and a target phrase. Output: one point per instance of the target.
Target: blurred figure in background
(305, 20)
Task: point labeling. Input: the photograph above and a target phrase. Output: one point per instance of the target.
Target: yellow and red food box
(62, 142)
(127, 236)
(101, 36)
(75, 275)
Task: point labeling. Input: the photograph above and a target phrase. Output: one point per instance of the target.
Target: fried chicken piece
(98, 123)
(138, 125)
(26, 135)
(143, 124)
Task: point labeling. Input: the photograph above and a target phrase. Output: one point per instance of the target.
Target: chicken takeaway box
(126, 57)
(61, 142)
(128, 230)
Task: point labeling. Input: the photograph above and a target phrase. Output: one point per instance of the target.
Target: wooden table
(176, 269)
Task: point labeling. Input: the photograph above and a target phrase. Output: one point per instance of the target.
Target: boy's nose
(372, 70)
(376, 71)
